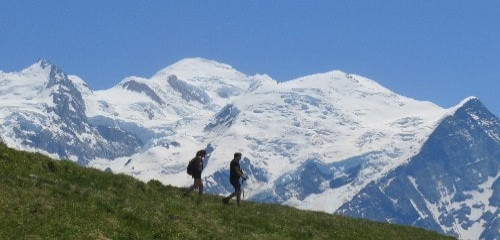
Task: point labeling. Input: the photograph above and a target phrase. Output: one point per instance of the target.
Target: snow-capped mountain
(42, 109)
(451, 185)
(323, 142)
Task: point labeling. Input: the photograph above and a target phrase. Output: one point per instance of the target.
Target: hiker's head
(201, 153)
(237, 156)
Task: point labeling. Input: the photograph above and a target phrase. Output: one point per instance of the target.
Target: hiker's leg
(199, 184)
(189, 190)
(231, 196)
(234, 183)
(238, 197)
(237, 189)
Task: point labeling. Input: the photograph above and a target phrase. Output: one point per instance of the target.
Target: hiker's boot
(187, 192)
(225, 200)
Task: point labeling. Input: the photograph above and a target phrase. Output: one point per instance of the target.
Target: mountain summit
(332, 141)
(193, 69)
(450, 186)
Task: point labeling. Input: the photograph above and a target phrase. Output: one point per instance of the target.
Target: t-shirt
(233, 166)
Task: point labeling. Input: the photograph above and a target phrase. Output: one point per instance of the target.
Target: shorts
(197, 174)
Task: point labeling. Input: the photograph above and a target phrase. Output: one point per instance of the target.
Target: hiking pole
(242, 190)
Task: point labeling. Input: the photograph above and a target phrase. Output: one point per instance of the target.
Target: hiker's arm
(200, 165)
(238, 171)
(242, 175)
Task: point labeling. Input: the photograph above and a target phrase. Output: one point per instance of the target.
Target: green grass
(41, 198)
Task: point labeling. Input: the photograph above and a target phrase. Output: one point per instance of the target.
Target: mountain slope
(43, 109)
(329, 119)
(314, 142)
(451, 186)
(43, 198)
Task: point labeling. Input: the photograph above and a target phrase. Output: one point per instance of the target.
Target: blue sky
(440, 51)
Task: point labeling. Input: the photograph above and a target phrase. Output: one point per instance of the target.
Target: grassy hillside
(42, 198)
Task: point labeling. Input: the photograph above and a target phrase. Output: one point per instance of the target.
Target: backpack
(191, 167)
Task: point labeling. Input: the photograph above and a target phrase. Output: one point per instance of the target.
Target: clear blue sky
(440, 51)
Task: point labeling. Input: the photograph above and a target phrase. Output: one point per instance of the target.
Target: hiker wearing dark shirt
(235, 173)
(197, 161)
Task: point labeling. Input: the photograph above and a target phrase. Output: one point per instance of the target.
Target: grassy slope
(42, 198)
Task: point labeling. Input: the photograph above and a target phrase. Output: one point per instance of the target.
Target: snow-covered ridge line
(313, 142)
(452, 110)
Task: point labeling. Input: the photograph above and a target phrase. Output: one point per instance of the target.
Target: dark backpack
(191, 167)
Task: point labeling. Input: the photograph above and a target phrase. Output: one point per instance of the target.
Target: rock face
(332, 142)
(58, 124)
(451, 186)
(142, 88)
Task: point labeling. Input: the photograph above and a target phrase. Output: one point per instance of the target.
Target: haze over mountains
(331, 141)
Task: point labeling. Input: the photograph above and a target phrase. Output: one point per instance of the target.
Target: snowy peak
(43, 109)
(473, 109)
(340, 81)
(362, 97)
(470, 104)
(449, 186)
(40, 66)
(40, 73)
(207, 82)
(34, 85)
(464, 102)
(196, 69)
(346, 90)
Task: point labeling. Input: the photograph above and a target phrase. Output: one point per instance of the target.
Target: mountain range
(333, 142)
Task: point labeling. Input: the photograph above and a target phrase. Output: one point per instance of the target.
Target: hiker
(196, 167)
(235, 173)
